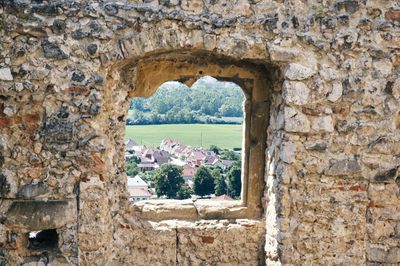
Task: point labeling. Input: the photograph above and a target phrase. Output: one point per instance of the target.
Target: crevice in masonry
(176, 246)
(77, 191)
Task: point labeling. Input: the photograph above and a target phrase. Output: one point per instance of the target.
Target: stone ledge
(30, 215)
(158, 210)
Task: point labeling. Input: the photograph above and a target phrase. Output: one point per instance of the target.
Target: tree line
(170, 183)
(207, 101)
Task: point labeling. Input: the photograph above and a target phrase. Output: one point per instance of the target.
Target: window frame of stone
(142, 77)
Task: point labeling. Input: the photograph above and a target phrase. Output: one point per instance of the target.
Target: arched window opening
(186, 142)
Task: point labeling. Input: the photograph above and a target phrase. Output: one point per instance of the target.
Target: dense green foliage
(185, 193)
(207, 101)
(203, 182)
(219, 181)
(131, 166)
(169, 180)
(234, 180)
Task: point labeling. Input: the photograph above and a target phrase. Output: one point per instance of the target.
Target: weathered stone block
(322, 124)
(5, 74)
(31, 191)
(295, 92)
(297, 71)
(288, 152)
(295, 121)
(40, 215)
(336, 92)
(343, 167)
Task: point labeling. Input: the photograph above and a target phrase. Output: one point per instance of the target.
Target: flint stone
(345, 126)
(380, 255)
(298, 72)
(288, 152)
(40, 215)
(169, 3)
(328, 73)
(343, 167)
(295, 121)
(393, 255)
(58, 130)
(31, 191)
(5, 74)
(92, 48)
(348, 6)
(8, 184)
(4, 186)
(322, 124)
(271, 22)
(52, 50)
(336, 92)
(319, 145)
(387, 176)
(295, 92)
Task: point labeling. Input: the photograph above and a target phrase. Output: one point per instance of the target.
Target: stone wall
(68, 68)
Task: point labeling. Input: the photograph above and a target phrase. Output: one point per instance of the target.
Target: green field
(195, 135)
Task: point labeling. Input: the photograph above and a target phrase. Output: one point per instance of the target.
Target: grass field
(195, 135)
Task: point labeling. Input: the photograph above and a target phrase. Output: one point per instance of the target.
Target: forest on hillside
(207, 101)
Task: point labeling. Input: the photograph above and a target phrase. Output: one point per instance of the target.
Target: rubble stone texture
(331, 197)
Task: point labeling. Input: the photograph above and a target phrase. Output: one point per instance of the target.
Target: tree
(234, 180)
(169, 180)
(185, 193)
(215, 149)
(230, 155)
(203, 182)
(220, 184)
(131, 167)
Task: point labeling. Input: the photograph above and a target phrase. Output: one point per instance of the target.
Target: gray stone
(58, 26)
(388, 175)
(40, 215)
(336, 92)
(319, 145)
(5, 74)
(270, 22)
(376, 254)
(343, 167)
(91, 48)
(295, 92)
(296, 121)
(4, 186)
(297, 71)
(393, 255)
(31, 191)
(322, 124)
(349, 6)
(288, 152)
(345, 126)
(58, 130)
(52, 50)
(328, 73)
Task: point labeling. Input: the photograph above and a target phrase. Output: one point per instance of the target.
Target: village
(146, 160)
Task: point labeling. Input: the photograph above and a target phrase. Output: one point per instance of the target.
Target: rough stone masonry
(331, 197)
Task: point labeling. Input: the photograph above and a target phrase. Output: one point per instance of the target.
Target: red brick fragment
(5, 122)
(342, 110)
(76, 90)
(207, 239)
(393, 14)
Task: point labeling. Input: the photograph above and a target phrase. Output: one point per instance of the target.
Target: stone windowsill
(158, 210)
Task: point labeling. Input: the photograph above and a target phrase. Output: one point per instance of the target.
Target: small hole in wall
(43, 240)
